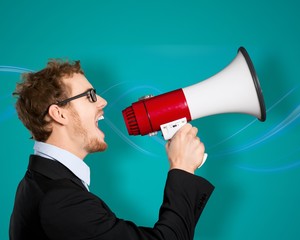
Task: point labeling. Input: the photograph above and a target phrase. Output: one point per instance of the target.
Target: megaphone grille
(131, 122)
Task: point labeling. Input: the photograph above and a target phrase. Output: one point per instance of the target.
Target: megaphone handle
(169, 129)
(203, 160)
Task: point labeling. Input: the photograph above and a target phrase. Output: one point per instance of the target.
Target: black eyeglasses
(91, 94)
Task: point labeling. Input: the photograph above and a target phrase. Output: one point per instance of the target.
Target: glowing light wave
(14, 69)
(292, 117)
(283, 167)
(9, 110)
(126, 138)
(136, 88)
(253, 121)
(284, 124)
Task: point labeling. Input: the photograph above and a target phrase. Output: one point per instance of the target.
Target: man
(61, 109)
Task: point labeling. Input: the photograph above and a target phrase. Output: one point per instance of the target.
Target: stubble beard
(91, 145)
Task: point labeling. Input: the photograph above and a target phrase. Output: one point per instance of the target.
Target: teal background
(132, 48)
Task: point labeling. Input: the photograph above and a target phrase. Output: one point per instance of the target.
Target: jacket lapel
(52, 169)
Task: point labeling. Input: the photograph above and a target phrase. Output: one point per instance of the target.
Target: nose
(101, 102)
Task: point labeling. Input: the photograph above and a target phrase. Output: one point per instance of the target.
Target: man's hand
(185, 150)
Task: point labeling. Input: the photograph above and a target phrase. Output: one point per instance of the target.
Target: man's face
(85, 115)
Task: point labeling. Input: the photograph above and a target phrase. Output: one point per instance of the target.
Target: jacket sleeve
(68, 213)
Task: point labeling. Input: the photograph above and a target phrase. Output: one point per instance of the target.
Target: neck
(66, 144)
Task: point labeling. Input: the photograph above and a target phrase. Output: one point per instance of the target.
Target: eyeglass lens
(93, 95)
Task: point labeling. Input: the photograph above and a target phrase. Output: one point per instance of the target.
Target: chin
(103, 147)
(96, 146)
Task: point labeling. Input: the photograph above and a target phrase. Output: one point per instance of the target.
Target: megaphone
(235, 89)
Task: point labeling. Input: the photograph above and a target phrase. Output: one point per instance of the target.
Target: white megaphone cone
(235, 89)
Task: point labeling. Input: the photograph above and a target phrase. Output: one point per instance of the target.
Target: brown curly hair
(38, 90)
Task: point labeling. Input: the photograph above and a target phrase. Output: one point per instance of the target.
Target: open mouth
(99, 119)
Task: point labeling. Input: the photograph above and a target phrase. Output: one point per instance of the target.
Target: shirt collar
(69, 160)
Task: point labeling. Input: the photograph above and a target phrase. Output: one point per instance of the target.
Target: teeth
(100, 118)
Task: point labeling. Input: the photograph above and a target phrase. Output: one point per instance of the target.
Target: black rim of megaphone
(256, 83)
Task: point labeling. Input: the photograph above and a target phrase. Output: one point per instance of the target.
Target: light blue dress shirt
(69, 160)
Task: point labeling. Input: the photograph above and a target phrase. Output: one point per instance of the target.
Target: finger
(167, 145)
(185, 129)
(193, 131)
(198, 139)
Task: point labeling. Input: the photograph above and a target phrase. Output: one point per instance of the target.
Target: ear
(58, 114)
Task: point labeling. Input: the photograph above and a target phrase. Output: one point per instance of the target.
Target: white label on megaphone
(169, 129)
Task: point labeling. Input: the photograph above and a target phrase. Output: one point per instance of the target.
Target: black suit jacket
(52, 203)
